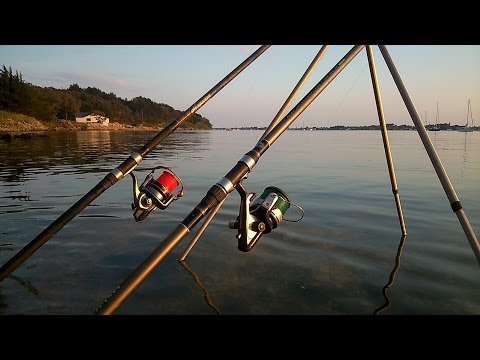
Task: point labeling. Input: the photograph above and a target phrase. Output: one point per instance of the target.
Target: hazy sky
(180, 75)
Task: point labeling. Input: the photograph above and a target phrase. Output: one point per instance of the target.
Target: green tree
(14, 92)
(68, 106)
(45, 103)
(51, 104)
(75, 87)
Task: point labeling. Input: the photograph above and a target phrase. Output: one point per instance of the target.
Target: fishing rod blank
(120, 172)
(218, 192)
(432, 154)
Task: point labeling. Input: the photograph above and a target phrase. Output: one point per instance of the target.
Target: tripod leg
(432, 154)
(386, 143)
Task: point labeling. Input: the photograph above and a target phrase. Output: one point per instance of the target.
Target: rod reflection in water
(27, 285)
(207, 296)
(391, 278)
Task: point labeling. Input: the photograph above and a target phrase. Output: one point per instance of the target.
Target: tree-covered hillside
(50, 104)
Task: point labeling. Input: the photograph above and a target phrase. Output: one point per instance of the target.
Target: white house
(91, 118)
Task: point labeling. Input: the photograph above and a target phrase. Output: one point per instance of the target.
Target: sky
(178, 75)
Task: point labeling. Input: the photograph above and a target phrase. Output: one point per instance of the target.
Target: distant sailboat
(435, 127)
(467, 128)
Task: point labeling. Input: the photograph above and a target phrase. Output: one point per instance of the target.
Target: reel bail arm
(250, 229)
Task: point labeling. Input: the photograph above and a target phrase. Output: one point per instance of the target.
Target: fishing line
(291, 204)
(353, 85)
(258, 77)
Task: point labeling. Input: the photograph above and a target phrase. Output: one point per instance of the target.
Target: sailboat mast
(468, 111)
(471, 112)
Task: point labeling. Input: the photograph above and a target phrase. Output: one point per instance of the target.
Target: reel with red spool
(155, 193)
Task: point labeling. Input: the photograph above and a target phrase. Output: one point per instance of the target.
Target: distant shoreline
(20, 126)
(17, 128)
(441, 127)
(16, 123)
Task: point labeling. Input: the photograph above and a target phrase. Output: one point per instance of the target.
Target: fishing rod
(275, 120)
(151, 193)
(218, 192)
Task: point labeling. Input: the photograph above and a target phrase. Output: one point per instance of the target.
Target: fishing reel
(154, 193)
(260, 216)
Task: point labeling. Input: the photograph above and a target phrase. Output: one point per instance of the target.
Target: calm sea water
(346, 255)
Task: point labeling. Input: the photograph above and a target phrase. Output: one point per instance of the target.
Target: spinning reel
(260, 216)
(154, 193)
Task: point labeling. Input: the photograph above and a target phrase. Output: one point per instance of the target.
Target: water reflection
(25, 284)
(98, 141)
(76, 152)
(464, 162)
(391, 278)
(199, 283)
(341, 238)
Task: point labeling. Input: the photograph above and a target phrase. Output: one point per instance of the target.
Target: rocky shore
(28, 128)
(10, 125)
